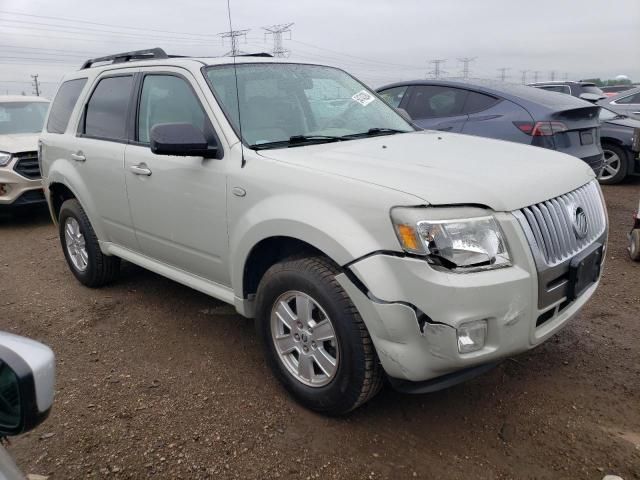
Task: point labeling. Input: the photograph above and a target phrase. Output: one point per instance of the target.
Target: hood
(447, 169)
(19, 142)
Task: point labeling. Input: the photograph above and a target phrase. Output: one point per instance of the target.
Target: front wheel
(634, 245)
(615, 165)
(315, 340)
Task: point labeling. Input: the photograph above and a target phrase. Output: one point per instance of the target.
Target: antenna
(276, 31)
(235, 72)
(36, 85)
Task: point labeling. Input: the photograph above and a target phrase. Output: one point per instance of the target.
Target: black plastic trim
(440, 383)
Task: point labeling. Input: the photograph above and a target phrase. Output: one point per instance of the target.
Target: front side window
(22, 117)
(106, 112)
(393, 96)
(63, 105)
(279, 102)
(167, 99)
(432, 101)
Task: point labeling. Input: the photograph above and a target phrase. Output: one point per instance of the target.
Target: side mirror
(27, 376)
(592, 97)
(404, 114)
(180, 139)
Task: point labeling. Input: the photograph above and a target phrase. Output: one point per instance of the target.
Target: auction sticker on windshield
(363, 97)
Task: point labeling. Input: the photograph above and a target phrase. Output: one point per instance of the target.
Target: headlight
(460, 245)
(4, 159)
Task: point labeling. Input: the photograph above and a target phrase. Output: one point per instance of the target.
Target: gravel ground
(157, 380)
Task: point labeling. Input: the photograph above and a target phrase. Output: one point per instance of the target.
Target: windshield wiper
(297, 140)
(372, 132)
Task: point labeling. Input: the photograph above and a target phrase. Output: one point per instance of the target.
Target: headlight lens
(4, 159)
(464, 245)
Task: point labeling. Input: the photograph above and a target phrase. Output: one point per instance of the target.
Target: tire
(616, 164)
(100, 269)
(634, 245)
(357, 375)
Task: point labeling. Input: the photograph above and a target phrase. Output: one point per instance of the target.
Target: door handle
(78, 157)
(140, 169)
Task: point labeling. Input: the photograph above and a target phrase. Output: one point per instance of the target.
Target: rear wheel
(81, 249)
(316, 343)
(634, 245)
(615, 165)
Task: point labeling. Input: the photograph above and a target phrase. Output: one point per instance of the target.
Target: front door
(178, 204)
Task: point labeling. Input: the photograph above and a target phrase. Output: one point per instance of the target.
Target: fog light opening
(472, 336)
(4, 189)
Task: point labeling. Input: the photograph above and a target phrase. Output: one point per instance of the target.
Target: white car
(362, 247)
(21, 121)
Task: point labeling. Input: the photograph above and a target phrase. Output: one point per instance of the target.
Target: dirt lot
(157, 380)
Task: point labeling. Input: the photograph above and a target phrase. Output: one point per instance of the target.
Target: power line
(276, 32)
(36, 85)
(437, 71)
(234, 35)
(465, 65)
(503, 73)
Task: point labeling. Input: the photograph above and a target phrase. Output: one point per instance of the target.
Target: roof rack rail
(259, 54)
(148, 54)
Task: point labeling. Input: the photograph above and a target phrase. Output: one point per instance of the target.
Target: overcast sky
(380, 41)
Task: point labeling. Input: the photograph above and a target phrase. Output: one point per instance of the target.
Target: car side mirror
(180, 139)
(592, 97)
(27, 377)
(404, 114)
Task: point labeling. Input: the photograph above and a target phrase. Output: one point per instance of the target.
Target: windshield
(22, 117)
(606, 114)
(280, 102)
(592, 89)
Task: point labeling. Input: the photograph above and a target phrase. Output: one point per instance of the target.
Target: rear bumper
(596, 162)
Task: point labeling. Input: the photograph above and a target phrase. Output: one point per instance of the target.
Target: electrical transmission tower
(524, 76)
(465, 65)
(276, 31)
(36, 85)
(234, 35)
(503, 73)
(566, 76)
(535, 76)
(553, 75)
(437, 72)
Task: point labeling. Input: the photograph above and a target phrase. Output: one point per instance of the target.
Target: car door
(437, 107)
(98, 154)
(629, 105)
(178, 204)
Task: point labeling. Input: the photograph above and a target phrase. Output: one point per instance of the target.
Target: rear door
(629, 105)
(98, 153)
(178, 204)
(437, 107)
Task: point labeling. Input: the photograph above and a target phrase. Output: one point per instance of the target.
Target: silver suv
(362, 247)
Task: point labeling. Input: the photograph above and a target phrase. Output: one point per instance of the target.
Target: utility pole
(276, 31)
(524, 76)
(553, 75)
(465, 66)
(503, 73)
(234, 35)
(437, 72)
(535, 76)
(36, 85)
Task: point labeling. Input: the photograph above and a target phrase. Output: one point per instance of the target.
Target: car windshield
(22, 117)
(592, 89)
(284, 104)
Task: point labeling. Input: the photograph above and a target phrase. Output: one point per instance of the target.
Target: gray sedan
(625, 103)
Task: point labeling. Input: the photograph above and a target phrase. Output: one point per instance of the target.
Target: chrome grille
(552, 227)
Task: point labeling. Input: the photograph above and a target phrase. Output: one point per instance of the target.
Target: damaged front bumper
(413, 312)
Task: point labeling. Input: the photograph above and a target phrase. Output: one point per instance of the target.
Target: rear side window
(393, 96)
(106, 112)
(64, 104)
(630, 100)
(430, 101)
(478, 102)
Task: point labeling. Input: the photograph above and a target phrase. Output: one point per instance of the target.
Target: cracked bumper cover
(506, 298)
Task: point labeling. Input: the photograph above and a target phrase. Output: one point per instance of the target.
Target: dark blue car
(517, 113)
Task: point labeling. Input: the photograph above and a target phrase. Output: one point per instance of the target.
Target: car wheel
(81, 249)
(615, 165)
(315, 340)
(634, 245)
